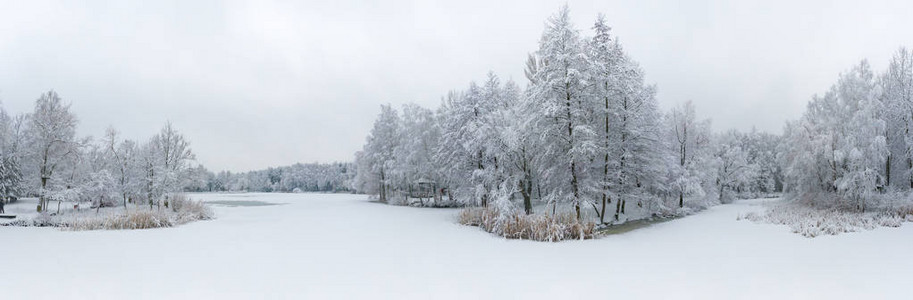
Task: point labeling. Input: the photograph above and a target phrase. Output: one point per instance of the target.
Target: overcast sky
(261, 83)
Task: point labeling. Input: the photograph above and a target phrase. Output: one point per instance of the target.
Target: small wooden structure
(3, 201)
(422, 188)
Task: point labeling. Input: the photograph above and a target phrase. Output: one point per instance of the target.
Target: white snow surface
(318, 246)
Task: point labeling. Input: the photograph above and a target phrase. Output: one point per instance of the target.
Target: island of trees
(583, 145)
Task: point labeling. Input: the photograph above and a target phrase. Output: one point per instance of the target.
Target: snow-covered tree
(690, 141)
(839, 147)
(163, 161)
(565, 111)
(417, 147)
(100, 189)
(52, 138)
(10, 156)
(864, 150)
(515, 145)
(123, 163)
(762, 149)
(379, 154)
(734, 171)
(896, 85)
(462, 152)
(634, 135)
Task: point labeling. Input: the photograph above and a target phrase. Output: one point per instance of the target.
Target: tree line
(311, 177)
(41, 155)
(853, 147)
(585, 131)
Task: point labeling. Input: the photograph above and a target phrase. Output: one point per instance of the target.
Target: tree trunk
(617, 208)
(681, 199)
(622, 178)
(570, 135)
(575, 189)
(887, 172)
(525, 190)
(383, 187)
(909, 167)
(605, 166)
(42, 199)
(481, 166)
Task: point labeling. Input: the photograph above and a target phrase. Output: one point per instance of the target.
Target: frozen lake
(317, 246)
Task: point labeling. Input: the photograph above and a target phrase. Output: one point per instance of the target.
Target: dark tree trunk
(887, 172)
(575, 189)
(910, 166)
(570, 134)
(617, 208)
(526, 189)
(605, 166)
(383, 187)
(721, 193)
(481, 166)
(42, 201)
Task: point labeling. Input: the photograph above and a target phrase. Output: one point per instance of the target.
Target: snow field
(317, 246)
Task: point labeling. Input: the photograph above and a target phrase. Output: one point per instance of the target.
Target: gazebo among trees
(422, 188)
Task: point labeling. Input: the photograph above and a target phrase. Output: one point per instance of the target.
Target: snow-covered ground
(316, 246)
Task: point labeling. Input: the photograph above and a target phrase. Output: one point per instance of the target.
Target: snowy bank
(815, 221)
(180, 211)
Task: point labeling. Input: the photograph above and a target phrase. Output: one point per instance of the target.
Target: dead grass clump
(180, 210)
(142, 219)
(187, 210)
(528, 227)
(815, 221)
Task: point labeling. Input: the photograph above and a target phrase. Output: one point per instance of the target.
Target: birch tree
(690, 141)
(52, 138)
